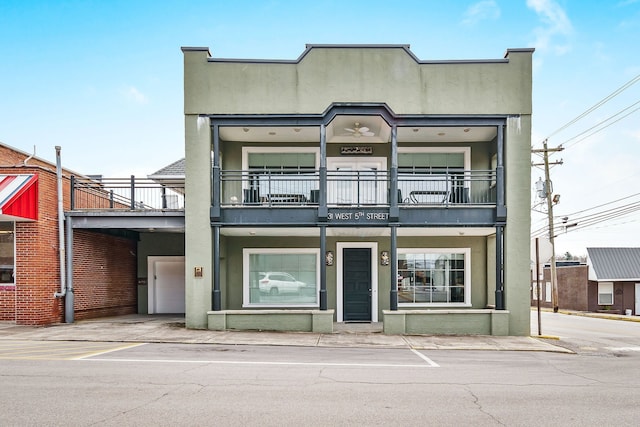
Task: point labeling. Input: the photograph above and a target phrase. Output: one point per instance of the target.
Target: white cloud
(635, 135)
(133, 94)
(556, 25)
(485, 9)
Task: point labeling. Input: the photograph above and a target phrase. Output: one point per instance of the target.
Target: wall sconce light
(384, 258)
(328, 258)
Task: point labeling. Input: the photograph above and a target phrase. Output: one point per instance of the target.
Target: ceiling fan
(358, 131)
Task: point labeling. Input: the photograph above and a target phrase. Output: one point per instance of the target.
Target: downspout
(24, 162)
(61, 247)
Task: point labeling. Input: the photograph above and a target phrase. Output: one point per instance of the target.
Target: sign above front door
(356, 149)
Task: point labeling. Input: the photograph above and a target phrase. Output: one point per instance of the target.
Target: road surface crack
(476, 401)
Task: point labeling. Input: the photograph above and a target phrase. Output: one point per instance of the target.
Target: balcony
(125, 194)
(259, 197)
(260, 188)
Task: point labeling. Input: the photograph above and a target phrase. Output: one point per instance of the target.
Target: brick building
(609, 282)
(573, 287)
(104, 265)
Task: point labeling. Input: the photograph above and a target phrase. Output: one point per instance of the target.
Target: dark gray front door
(356, 282)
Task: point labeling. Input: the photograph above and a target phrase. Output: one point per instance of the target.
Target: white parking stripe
(430, 364)
(623, 348)
(426, 359)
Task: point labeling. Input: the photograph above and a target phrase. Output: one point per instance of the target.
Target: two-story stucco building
(358, 183)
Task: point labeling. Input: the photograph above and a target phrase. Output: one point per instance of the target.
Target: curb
(546, 337)
(621, 317)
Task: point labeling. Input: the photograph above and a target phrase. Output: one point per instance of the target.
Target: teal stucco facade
(289, 170)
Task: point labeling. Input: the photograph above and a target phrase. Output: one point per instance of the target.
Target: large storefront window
(7, 253)
(433, 277)
(281, 277)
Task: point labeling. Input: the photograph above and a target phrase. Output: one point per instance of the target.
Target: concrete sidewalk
(170, 329)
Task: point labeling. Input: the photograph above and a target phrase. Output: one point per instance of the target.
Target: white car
(276, 282)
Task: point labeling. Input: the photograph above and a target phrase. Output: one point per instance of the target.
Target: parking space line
(110, 350)
(429, 364)
(57, 350)
(425, 358)
(237, 362)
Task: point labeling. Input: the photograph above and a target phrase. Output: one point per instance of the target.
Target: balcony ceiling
(337, 133)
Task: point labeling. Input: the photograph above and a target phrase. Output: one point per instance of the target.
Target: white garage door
(166, 293)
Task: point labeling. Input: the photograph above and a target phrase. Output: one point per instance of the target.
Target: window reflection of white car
(274, 283)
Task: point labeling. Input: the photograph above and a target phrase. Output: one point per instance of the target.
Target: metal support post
(216, 297)
(393, 297)
(323, 268)
(500, 268)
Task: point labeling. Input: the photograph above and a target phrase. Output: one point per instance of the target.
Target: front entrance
(637, 307)
(356, 281)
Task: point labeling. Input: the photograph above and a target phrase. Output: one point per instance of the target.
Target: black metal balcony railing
(264, 188)
(125, 194)
(433, 187)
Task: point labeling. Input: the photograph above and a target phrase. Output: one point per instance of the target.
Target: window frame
(12, 284)
(280, 149)
(600, 292)
(466, 150)
(547, 292)
(247, 252)
(467, 275)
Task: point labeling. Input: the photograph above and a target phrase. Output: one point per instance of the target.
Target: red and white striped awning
(19, 197)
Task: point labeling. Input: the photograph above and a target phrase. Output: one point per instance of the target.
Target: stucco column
(198, 234)
(517, 232)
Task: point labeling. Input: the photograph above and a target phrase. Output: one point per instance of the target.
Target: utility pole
(551, 200)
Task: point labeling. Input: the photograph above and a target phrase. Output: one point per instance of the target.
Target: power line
(606, 216)
(600, 123)
(597, 105)
(581, 223)
(604, 204)
(587, 221)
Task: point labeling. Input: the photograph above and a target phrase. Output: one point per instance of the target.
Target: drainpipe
(61, 249)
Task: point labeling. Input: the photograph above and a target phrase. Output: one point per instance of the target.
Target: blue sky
(103, 79)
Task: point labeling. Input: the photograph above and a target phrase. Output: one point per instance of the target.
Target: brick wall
(104, 267)
(7, 303)
(572, 288)
(37, 272)
(104, 275)
(623, 297)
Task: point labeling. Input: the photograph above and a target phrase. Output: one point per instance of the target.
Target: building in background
(614, 280)
(609, 282)
(573, 286)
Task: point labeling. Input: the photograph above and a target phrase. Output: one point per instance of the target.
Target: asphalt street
(117, 383)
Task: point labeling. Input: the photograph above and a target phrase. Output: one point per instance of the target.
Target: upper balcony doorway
(354, 180)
